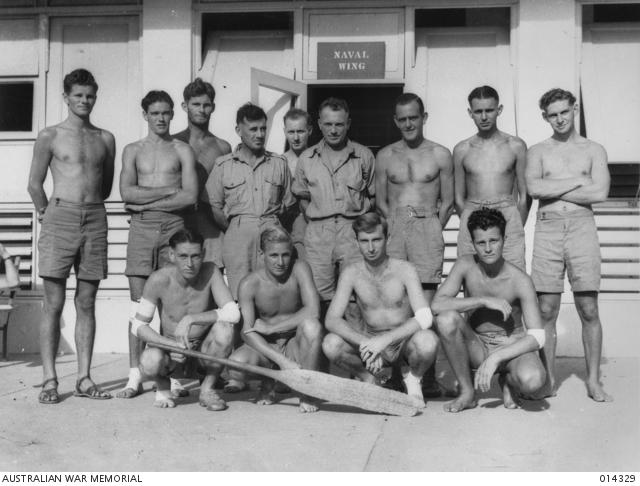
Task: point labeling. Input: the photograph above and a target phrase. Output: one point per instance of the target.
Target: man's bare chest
(414, 168)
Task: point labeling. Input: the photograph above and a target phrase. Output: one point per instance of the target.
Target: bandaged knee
(424, 318)
(230, 312)
(539, 335)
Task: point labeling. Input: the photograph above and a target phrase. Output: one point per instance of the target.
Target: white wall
(166, 51)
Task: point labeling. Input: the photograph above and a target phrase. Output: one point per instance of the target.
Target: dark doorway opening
(371, 110)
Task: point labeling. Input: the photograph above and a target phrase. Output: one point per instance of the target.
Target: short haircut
(185, 235)
(368, 222)
(485, 218)
(274, 234)
(250, 112)
(334, 104)
(406, 98)
(81, 77)
(155, 96)
(198, 87)
(483, 93)
(556, 94)
(296, 114)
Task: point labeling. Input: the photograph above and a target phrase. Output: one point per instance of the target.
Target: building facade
(295, 53)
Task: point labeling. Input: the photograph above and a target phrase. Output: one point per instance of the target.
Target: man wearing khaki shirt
(335, 182)
(248, 189)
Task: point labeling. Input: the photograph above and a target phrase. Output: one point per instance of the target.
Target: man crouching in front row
(186, 294)
(395, 313)
(481, 331)
(280, 308)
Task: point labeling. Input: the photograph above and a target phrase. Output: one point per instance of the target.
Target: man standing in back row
(414, 191)
(297, 129)
(489, 170)
(335, 182)
(568, 173)
(199, 104)
(248, 190)
(159, 185)
(74, 226)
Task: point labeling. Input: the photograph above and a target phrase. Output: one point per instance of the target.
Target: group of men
(327, 250)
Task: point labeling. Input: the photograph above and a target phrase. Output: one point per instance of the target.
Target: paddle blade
(349, 392)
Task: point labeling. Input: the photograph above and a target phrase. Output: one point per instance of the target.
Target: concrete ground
(566, 433)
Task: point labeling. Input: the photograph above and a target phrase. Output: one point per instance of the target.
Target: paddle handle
(258, 370)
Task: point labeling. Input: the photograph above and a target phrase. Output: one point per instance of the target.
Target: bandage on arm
(230, 312)
(424, 317)
(538, 335)
(144, 314)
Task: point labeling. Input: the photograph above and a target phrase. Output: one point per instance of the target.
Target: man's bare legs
(219, 343)
(451, 328)
(136, 345)
(587, 307)
(85, 332)
(309, 346)
(420, 351)
(157, 365)
(525, 375)
(54, 297)
(549, 309)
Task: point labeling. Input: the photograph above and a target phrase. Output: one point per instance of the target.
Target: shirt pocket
(273, 192)
(235, 191)
(355, 193)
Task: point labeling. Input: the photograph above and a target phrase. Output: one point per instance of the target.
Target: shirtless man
(394, 309)
(74, 226)
(199, 104)
(280, 309)
(568, 173)
(158, 185)
(297, 129)
(489, 170)
(414, 191)
(482, 330)
(186, 293)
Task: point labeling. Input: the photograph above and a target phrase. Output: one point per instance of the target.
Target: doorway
(371, 110)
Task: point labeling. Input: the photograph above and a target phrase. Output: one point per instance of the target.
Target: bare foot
(234, 386)
(266, 397)
(211, 400)
(129, 392)
(510, 396)
(164, 400)
(308, 405)
(177, 390)
(464, 401)
(596, 393)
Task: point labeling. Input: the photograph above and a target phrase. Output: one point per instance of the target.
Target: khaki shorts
(330, 245)
(202, 222)
(73, 235)
(415, 235)
(513, 250)
(284, 343)
(148, 245)
(496, 340)
(240, 247)
(566, 240)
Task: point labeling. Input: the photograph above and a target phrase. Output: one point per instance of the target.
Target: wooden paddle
(322, 385)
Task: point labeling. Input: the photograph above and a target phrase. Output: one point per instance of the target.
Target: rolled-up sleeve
(300, 185)
(215, 187)
(369, 172)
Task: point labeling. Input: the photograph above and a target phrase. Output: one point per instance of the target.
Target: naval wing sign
(351, 60)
